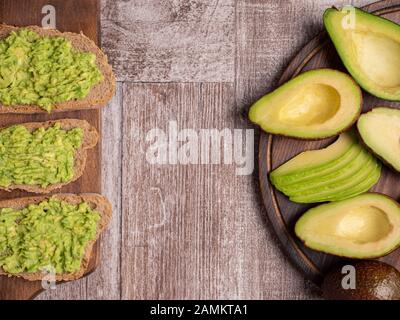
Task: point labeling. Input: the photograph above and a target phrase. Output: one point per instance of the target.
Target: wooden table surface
(191, 231)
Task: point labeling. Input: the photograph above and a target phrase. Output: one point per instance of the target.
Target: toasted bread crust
(90, 138)
(98, 96)
(96, 201)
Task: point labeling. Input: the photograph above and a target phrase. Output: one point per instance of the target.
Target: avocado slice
(359, 165)
(374, 280)
(316, 104)
(380, 131)
(369, 47)
(365, 226)
(330, 168)
(308, 178)
(362, 187)
(360, 182)
(310, 163)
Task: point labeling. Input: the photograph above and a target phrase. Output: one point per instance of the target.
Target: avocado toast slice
(89, 140)
(97, 203)
(100, 91)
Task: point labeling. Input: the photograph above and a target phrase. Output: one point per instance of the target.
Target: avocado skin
(375, 280)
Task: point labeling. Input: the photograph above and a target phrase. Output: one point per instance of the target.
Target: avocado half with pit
(341, 170)
(369, 47)
(316, 104)
(365, 226)
(380, 131)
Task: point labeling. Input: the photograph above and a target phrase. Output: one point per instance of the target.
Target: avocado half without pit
(369, 47)
(380, 131)
(341, 170)
(316, 104)
(365, 226)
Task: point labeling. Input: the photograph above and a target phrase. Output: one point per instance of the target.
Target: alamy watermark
(349, 20)
(48, 277)
(203, 146)
(349, 278)
(49, 18)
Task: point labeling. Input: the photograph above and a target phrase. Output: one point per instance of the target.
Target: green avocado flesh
(41, 157)
(380, 131)
(43, 71)
(52, 234)
(357, 166)
(316, 104)
(369, 47)
(361, 182)
(365, 226)
(339, 171)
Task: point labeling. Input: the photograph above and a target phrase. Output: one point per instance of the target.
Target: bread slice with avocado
(81, 218)
(48, 70)
(40, 157)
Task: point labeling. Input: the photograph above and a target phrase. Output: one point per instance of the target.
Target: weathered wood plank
(104, 283)
(163, 41)
(192, 231)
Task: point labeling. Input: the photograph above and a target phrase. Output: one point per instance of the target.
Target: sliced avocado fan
(369, 47)
(341, 170)
(316, 104)
(365, 226)
(380, 131)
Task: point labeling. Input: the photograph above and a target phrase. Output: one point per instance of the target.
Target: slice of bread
(97, 203)
(90, 138)
(99, 95)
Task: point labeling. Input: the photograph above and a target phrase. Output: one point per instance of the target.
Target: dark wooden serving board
(71, 15)
(273, 151)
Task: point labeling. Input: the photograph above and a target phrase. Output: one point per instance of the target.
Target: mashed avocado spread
(52, 234)
(41, 157)
(43, 71)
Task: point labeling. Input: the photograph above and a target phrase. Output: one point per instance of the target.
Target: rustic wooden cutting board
(71, 15)
(273, 151)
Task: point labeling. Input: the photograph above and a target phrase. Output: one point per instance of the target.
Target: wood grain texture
(85, 18)
(163, 41)
(283, 213)
(192, 231)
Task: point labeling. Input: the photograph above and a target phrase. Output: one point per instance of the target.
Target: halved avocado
(369, 47)
(362, 181)
(309, 163)
(366, 226)
(316, 104)
(380, 131)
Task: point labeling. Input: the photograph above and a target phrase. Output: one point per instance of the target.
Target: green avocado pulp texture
(339, 171)
(43, 71)
(41, 157)
(51, 235)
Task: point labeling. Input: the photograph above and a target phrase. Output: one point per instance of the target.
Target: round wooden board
(274, 150)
